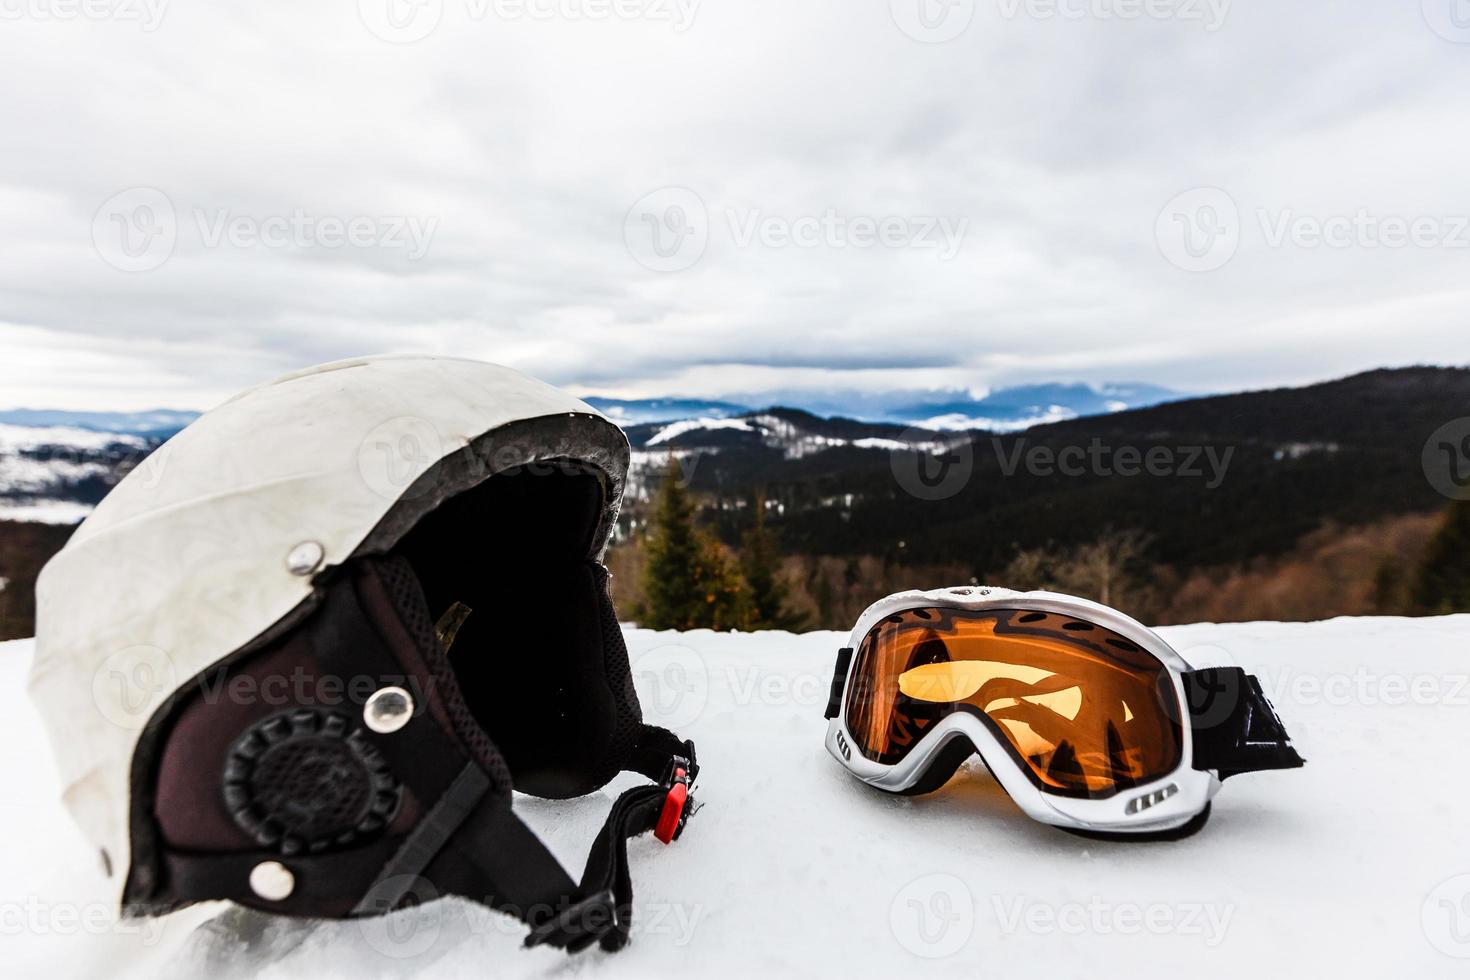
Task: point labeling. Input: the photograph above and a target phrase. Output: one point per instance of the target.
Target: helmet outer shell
(188, 559)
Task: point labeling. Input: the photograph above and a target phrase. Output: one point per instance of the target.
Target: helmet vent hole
(308, 780)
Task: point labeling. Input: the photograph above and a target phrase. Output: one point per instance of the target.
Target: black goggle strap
(839, 681)
(1235, 728)
(472, 844)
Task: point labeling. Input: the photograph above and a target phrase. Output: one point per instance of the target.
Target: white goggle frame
(1163, 804)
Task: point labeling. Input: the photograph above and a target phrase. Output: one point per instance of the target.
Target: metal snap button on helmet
(305, 558)
(388, 710)
(272, 881)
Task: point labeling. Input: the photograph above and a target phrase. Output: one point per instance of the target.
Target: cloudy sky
(703, 197)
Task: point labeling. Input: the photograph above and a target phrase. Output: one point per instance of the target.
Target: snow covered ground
(1356, 866)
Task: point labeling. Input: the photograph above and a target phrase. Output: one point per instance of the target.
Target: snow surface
(1356, 866)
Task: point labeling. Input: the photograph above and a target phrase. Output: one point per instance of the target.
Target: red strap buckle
(671, 819)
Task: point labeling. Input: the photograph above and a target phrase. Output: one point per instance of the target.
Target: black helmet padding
(540, 659)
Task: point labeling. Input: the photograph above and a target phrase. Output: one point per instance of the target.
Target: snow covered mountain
(775, 435)
(55, 465)
(162, 422)
(55, 474)
(1001, 410)
(627, 412)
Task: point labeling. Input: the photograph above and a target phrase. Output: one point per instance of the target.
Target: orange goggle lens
(1086, 711)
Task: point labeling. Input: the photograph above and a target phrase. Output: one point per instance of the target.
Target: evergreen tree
(672, 597)
(724, 600)
(1444, 578)
(760, 563)
(690, 580)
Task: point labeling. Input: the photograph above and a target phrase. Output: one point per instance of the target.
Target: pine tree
(690, 580)
(672, 597)
(1444, 578)
(760, 563)
(724, 600)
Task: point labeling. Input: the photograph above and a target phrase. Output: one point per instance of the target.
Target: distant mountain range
(158, 421)
(1003, 410)
(1213, 480)
(56, 464)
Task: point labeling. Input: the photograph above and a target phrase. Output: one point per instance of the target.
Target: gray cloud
(1057, 142)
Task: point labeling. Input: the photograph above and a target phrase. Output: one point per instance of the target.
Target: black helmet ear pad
(546, 675)
(539, 657)
(273, 754)
(541, 664)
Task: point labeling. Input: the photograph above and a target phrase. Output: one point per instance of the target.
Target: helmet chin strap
(472, 844)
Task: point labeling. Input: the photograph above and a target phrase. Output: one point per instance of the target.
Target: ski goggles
(1087, 718)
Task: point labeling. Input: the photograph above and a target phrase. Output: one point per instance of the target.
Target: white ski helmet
(301, 655)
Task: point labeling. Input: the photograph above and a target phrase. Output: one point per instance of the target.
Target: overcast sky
(642, 197)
